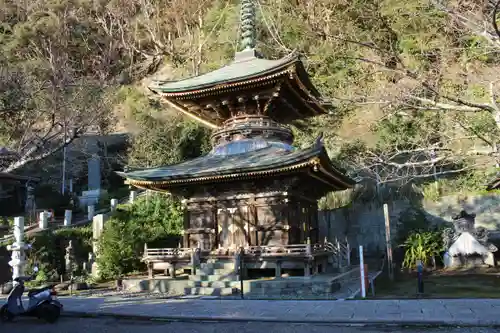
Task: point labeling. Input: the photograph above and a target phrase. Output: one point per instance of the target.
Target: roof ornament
(247, 19)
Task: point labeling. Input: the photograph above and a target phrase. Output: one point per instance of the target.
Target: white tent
(466, 244)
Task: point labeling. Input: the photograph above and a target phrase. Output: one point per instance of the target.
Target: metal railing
(341, 252)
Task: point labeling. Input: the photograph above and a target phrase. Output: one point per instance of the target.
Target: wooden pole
(388, 242)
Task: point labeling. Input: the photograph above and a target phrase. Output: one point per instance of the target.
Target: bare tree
(50, 94)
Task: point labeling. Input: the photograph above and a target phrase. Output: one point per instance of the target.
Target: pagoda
(254, 188)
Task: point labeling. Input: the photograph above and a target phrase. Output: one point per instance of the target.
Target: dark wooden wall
(261, 221)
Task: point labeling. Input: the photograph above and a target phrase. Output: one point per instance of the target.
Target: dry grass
(476, 283)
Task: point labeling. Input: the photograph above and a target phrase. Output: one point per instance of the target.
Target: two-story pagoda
(254, 188)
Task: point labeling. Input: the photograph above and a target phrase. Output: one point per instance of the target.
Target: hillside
(414, 82)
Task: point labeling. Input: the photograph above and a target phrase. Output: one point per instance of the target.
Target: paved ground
(67, 325)
(475, 312)
(466, 312)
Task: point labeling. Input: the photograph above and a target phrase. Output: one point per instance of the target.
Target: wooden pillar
(215, 245)
(185, 237)
(307, 264)
(254, 221)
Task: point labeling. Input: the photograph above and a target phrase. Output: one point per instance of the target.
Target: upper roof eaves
(246, 66)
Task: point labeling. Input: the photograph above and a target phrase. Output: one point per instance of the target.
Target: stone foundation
(321, 286)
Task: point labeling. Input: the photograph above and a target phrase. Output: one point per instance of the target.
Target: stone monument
(466, 244)
(18, 257)
(70, 263)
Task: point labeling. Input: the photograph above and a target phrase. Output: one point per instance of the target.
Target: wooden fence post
(388, 242)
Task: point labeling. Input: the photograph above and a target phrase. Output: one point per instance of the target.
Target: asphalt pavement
(81, 325)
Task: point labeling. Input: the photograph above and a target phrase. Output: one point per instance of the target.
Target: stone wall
(363, 224)
(360, 224)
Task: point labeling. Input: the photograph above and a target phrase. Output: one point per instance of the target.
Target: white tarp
(466, 244)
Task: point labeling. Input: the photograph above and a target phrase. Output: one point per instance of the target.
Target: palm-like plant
(421, 246)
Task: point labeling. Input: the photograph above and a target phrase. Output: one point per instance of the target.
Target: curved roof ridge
(242, 68)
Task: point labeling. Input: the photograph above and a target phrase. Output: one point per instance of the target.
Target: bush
(423, 246)
(49, 248)
(154, 219)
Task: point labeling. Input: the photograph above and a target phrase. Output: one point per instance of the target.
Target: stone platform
(319, 286)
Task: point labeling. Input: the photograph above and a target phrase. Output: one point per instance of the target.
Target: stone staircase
(214, 278)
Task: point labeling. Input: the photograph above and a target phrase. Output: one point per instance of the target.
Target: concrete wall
(363, 224)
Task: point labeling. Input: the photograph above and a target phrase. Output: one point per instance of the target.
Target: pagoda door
(239, 227)
(224, 223)
(232, 227)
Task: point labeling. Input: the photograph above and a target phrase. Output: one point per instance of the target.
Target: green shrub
(49, 248)
(422, 246)
(154, 219)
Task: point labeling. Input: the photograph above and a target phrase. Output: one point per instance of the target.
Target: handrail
(151, 254)
(299, 250)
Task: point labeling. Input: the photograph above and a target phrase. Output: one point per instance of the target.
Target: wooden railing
(284, 250)
(294, 250)
(166, 253)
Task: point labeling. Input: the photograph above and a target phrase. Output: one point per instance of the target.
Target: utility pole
(63, 185)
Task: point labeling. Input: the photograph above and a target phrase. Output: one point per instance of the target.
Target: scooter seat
(32, 292)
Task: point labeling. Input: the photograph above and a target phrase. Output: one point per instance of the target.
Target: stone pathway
(451, 312)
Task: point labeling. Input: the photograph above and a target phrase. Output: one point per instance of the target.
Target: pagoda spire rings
(247, 17)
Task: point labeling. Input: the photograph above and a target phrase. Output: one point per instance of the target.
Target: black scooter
(43, 303)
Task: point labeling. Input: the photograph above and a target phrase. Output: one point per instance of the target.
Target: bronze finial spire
(247, 18)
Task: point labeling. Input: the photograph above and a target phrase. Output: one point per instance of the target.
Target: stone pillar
(18, 258)
(97, 227)
(132, 196)
(114, 204)
(44, 220)
(90, 212)
(68, 213)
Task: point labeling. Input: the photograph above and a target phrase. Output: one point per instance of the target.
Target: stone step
(214, 284)
(214, 277)
(207, 291)
(215, 271)
(218, 264)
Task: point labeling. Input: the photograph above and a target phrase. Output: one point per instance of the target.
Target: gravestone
(67, 217)
(94, 172)
(90, 212)
(113, 204)
(97, 227)
(30, 205)
(132, 196)
(466, 244)
(44, 220)
(69, 258)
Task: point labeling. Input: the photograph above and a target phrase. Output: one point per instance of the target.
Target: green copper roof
(244, 67)
(213, 164)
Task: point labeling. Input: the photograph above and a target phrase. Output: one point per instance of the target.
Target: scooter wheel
(5, 315)
(50, 313)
